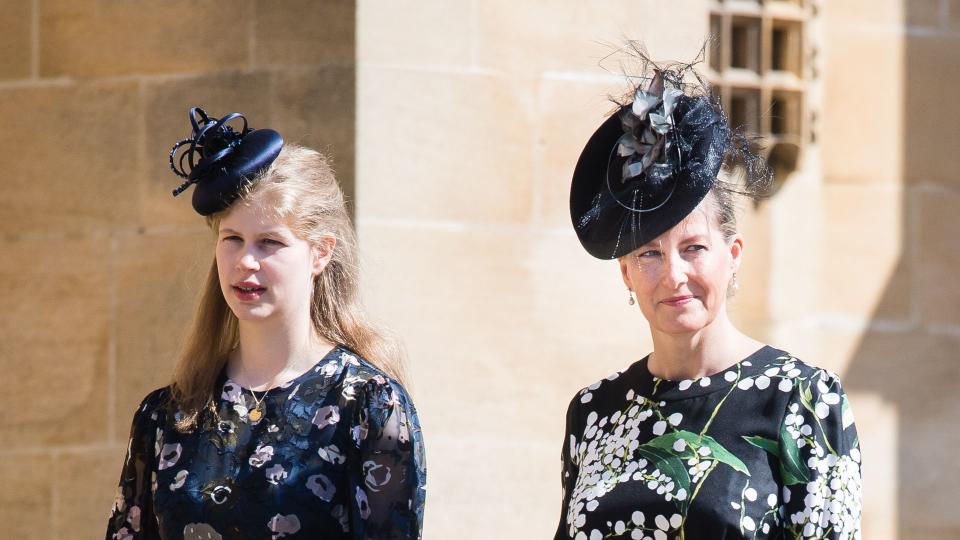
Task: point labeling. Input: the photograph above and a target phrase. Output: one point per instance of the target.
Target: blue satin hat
(221, 160)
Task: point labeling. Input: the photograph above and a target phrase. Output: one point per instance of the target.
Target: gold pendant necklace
(256, 413)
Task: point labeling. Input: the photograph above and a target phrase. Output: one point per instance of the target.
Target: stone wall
(890, 303)
(102, 263)
(469, 117)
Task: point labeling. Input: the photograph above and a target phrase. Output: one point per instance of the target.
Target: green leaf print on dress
(649, 458)
(703, 445)
(792, 469)
(769, 445)
(669, 464)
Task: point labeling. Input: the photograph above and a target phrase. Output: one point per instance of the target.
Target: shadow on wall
(908, 356)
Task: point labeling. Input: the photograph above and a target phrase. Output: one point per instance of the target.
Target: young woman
(286, 417)
(713, 434)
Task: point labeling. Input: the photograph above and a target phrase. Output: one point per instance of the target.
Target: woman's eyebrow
(270, 232)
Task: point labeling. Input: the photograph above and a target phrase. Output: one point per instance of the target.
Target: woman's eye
(649, 254)
(272, 242)
(696, 247)
(232, 239)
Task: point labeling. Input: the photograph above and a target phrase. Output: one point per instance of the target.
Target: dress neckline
(292, 383)
(752, 368)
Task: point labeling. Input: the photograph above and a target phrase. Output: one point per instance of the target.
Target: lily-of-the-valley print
(765, 449)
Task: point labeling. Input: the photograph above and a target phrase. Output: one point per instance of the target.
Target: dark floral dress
(764, 449)
(336, 453)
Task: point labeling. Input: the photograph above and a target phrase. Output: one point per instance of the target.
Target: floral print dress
(764, 449)
(336, 453)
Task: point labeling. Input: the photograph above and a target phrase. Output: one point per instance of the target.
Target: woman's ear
(323, 253)
(736, 250)
(624, 261)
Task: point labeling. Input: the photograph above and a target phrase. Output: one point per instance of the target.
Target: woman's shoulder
(587, 393)
(154, 401)
(358, 369)
(383, 414)
(617, 384)
(151, 412)
(362, 378)
(808, 387)
(787, 366)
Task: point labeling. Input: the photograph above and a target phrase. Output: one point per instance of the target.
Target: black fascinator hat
(221, 160)
(647, 167)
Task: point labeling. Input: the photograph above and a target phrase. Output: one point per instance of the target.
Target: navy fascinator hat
(647, 167)
(221, 160)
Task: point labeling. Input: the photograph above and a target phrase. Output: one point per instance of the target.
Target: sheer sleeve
(820, 461)
(388, 480)
(132, 516)
(568, 467)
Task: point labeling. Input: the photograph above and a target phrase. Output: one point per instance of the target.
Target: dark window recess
(785, 113)
(785, 47)
(745, 44)
(779, 46)
(745, 109)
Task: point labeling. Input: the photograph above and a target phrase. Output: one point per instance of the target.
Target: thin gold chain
(258, 401)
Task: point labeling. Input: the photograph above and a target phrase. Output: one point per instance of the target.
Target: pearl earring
(631, 301)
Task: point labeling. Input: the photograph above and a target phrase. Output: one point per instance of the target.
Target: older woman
(286, 417)
(713, 434)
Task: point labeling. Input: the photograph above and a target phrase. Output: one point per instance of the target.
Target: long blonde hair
(302, 190)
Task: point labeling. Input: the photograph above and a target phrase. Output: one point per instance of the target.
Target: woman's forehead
(699, 222)
(253, 214)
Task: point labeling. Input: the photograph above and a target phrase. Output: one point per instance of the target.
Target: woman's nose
(675, 271)
(248, 262)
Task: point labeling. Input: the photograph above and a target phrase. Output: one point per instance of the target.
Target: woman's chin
(682, 325)
(252, 313)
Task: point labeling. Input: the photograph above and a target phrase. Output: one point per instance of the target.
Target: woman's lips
(678, 300)
(248, 291)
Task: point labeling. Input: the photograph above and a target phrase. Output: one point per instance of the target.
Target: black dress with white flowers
(336, 453)
(764, 449)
